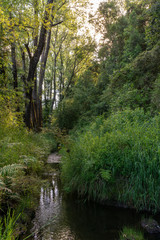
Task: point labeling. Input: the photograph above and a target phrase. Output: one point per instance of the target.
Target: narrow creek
(63, 218)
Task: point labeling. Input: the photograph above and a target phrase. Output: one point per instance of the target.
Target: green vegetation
(116, 158)
(22, 158)
(131, 234)
(105, 97)
(112, 111)
(8, 227)
(23, 155)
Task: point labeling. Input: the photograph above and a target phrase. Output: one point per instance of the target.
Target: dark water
(61, 218)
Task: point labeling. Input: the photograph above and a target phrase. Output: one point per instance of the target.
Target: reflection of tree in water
(49, 208)
(67, 219)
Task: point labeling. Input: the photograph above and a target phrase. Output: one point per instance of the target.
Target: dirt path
(54, 158)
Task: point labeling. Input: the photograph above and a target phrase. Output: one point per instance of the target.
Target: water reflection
(58, 218)
(49, 210)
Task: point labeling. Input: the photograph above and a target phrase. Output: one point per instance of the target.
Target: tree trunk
(23, 76)
(30, 112)
(61, 79)
(54, 84)
(14, 72)
(41, 78)
(14, 65)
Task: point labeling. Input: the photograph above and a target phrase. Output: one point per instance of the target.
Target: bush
(116, 158)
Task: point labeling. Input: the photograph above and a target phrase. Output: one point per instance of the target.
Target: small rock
(150, 225)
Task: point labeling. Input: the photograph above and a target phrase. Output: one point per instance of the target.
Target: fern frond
(3, 186)
(11, 170)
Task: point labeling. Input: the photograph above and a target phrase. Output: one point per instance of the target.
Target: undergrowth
(116, 158)
(22, 158)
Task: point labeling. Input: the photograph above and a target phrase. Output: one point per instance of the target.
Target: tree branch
(62, 5)
(55, 24)
(28, 50)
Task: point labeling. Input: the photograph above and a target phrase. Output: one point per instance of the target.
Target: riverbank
(23, 156)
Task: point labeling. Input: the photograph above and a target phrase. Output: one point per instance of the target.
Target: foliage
(116, 158)
(135, 84)
(153, 26)
(79, 101)
(9, 100)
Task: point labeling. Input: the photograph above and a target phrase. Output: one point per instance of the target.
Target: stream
(59, 217)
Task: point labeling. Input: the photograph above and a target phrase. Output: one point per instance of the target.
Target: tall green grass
(116, 158)
(7, 226)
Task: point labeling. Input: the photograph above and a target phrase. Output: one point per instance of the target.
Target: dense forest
(97, 102)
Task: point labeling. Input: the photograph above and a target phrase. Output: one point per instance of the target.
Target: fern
(8, 171)
(29, 160)
(11, 170)
(3, 187)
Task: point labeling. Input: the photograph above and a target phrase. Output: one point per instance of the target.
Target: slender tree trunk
(23, 76)
(51, 86)
(14, 72)
(41, 78)
(14, 65)
(2, 60)
(71, 77)
(54, 84)
(61, 79)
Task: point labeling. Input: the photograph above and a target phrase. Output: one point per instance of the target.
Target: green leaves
(153, 27)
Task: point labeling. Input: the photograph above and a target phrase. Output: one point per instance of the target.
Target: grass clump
(116, 158)
(130, 234)
(7, 226)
